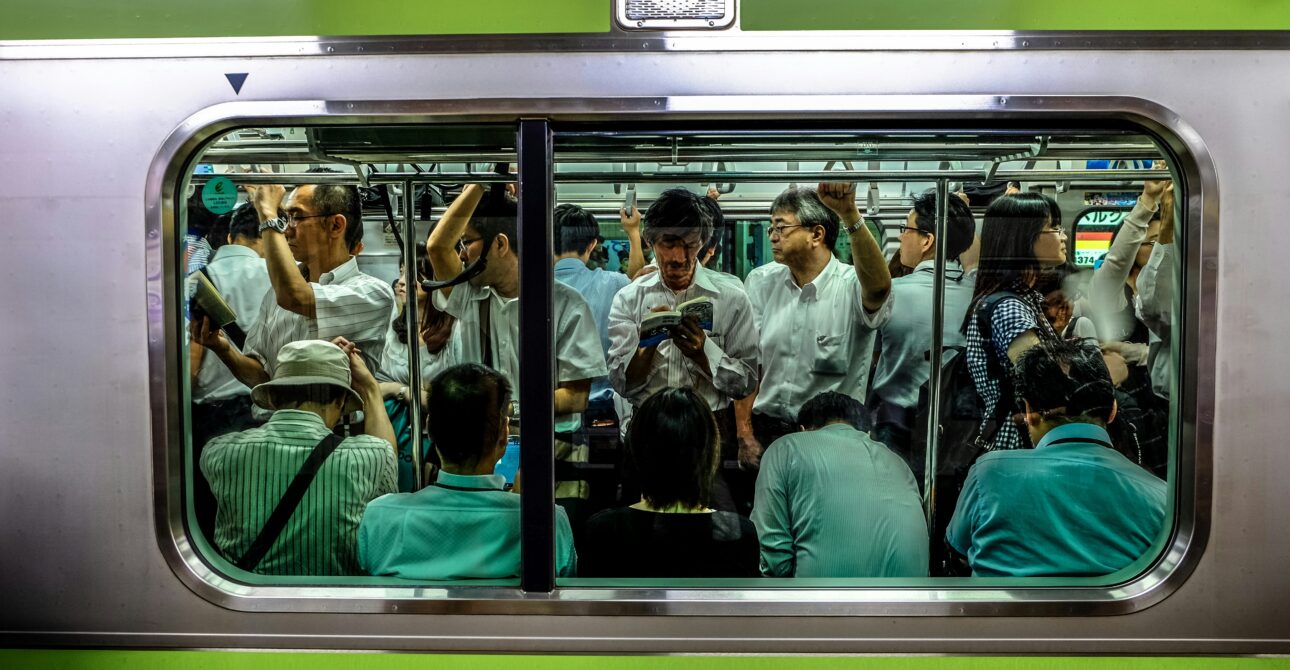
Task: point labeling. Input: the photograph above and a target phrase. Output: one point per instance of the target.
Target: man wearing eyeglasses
(816, 316)
(482, 223)
(721, 364)
(325, 296)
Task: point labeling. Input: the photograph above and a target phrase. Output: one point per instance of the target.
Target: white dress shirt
(814, 338)
(577, 345)
(242, 277)
(731, 347)
(348, 303)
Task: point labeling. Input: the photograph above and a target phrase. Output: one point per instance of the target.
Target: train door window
(313, 258)
(768, 307)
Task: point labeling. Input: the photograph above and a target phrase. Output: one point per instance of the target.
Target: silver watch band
(279, 224)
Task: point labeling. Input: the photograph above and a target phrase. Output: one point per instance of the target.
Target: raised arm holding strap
(290, 501)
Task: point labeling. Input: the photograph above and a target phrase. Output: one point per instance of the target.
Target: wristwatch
(279, 224)
(855, 227)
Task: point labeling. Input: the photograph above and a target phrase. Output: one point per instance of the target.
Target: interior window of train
(323, 446)
(768, 304)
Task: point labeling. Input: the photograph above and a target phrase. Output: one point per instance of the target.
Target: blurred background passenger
(832, 502)
(1021, 237)
(673, 445)
(464, 525)
(1073, 506)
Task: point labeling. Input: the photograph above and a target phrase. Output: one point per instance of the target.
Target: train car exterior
(95, 142)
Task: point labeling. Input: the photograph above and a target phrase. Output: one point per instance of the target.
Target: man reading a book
(324, 297)
(717, 360)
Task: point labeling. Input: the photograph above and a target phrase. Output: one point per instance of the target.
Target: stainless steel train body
(92, 143)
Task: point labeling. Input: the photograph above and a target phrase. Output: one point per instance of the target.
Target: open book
(659, 326)
(207, 301)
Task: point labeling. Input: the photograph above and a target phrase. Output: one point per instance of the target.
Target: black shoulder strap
(287, 506)
(485, 331)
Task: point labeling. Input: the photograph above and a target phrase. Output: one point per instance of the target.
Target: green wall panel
(116, 19)
(1015, 15)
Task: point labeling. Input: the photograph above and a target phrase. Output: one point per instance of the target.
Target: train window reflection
(783, 358)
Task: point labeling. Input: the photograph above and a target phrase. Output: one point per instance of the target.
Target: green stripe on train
(191, 660)
(98, 19)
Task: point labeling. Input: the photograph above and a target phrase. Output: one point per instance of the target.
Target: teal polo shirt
(1072, 506)
(460, 527)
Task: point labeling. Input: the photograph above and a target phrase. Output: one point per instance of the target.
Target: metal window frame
(1192, 487)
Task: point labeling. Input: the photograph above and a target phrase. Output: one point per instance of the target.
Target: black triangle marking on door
(236, 79)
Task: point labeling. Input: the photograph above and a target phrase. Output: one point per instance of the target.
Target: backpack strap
(290, 501)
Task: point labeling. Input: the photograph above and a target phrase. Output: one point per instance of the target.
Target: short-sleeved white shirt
(577, 344)
(348, 303)
(814, 338)
(242, 277)
(731, 347)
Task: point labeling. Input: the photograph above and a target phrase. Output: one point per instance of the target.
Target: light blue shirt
(907, 336)
(1071, 507)
(835, 503)
(598, 288)
(460, 527)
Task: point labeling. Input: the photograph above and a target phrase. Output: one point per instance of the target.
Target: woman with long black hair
(1021, 237)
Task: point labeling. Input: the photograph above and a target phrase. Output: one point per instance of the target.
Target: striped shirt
(731, 347)
(250, 471)
(348, 303)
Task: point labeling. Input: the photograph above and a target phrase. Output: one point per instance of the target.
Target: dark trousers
(893, 426)
(210, 420)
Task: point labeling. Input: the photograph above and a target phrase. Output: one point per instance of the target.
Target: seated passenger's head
(492, 226)
(576, 232)
(677, 225)
(830, 408)
(311, 376)
(918, 236)
(1022, 234)
(467, 418)
(673, 445)
(1065, 381)
(328, 221)
(801, 226)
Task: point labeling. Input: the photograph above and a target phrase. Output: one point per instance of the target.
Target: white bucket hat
(309, 362)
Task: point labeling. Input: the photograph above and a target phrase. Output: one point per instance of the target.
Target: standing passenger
(1021, 237)
(906, 342)
(816, 315)
(720, 365)
(477, 229)
(325, 297)
(831, 502)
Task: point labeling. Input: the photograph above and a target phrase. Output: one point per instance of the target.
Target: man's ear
(929, 242)
(591, 248)
(337, 224)
(1115, 411)
(501, 243)
(1032, 418)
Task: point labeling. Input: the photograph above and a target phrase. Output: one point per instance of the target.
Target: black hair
(673, 446)
(1066, 381)
(464, 415)
(1013, 224)
(496, 214)
(424, 270)
(292, 397)
(340, 199)
(805, 204)
(961, 226)
(244, 222)
(718, 227)
(199, 219)
(831, 407)
(574, 229)
(676, 211)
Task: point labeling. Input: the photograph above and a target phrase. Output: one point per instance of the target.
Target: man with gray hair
(291, 494)
(816, 316)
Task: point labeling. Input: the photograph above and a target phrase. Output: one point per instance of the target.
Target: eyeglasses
(1055, 231)
(913, 230)
(778, 231)
(294, 220)
(463, 243)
